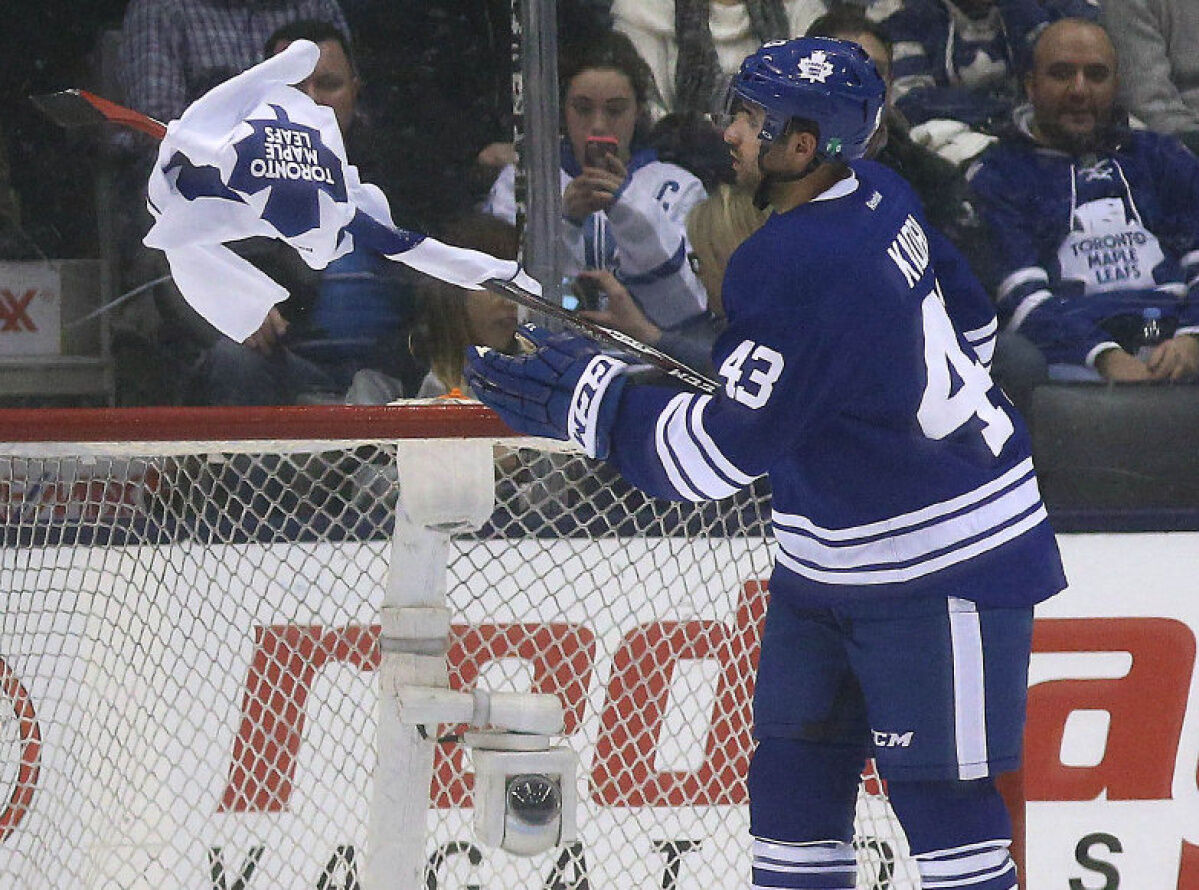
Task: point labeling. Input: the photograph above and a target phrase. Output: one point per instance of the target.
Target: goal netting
(189, 655)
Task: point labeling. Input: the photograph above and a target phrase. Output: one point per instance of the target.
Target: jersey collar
(840, 188)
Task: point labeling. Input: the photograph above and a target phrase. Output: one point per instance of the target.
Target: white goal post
(197, 654)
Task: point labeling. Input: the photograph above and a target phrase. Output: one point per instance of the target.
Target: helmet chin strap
(761, 193)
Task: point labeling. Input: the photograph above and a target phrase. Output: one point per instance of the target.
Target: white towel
(257, 157)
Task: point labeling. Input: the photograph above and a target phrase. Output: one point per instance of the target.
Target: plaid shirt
(173, 51)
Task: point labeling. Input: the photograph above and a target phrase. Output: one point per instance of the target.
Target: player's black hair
(316, 30)
(803, 125)
(846, 19)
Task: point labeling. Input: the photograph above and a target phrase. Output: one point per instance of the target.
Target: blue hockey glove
(567, 388)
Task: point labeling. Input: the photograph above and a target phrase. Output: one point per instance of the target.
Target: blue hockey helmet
(832, 83)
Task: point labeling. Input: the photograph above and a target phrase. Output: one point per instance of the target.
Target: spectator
(450, 319)
(335, 322)
(624, 211)
(1159, 83)
(694, 46)
(1093, 223)
(957, 64)
(693, 142)
(715, 226)
(174, 51)
(454, 318)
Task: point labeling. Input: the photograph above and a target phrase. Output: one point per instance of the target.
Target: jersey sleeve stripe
(1100, 348)
(985, 350)
(1025, 308)
(983, 341)
(665, 270)
(688, 453)
(986, 332)
(720, 464)
(915, 545)
(1017, 475)
(885, 575)
(904, 84)
(666, 455)
(1021, 277)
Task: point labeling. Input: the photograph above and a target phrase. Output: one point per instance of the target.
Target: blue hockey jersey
(897, 467)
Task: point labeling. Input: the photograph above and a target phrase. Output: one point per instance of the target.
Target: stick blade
(68, 108)
(79, 108)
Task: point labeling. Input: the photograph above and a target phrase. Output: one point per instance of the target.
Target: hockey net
(189, 642)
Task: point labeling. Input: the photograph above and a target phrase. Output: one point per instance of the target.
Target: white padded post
(445, 486)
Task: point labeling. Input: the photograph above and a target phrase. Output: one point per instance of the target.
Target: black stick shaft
(606, 336)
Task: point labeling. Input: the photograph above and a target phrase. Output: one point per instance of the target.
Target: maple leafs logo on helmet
(816, 67)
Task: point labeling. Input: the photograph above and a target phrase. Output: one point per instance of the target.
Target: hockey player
(912, 541)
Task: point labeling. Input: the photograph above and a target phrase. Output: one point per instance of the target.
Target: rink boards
(1111, 766)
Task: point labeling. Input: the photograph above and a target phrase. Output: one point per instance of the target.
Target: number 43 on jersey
(955, 391)
(948, 405)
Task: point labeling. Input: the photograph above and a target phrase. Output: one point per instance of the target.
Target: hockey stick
(605, 336)
(79, 108)
(73, 108)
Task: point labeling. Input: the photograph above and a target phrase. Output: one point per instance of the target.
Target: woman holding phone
(624, 210)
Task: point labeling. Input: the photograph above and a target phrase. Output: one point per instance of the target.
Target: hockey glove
(565, 389)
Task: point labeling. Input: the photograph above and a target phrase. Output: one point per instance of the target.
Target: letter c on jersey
(29, 756)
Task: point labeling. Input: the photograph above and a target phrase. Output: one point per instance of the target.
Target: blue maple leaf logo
(194, 182)
(291, 160)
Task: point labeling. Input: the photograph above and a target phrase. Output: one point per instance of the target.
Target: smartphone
(581, 293)
(597, 147)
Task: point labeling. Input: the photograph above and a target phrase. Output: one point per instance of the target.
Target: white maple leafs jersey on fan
(896, 464)
(641, 238)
